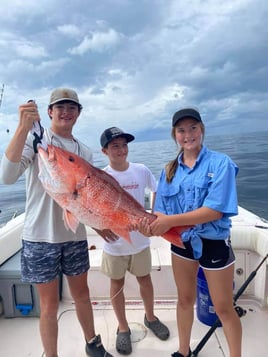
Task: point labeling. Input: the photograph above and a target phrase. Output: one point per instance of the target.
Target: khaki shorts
(115, 267)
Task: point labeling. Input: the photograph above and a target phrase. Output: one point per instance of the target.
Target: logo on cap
(111, 133)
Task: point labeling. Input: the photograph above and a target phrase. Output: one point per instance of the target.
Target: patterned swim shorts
(43, 262)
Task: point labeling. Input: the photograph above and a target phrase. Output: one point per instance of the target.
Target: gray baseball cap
(60, 94)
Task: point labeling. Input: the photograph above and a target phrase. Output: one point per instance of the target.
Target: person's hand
(107, 235)
(28, 114)
(132, 227)
(144, 227)
(160, 225)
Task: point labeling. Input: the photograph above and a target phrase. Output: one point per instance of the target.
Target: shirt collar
(200, 156)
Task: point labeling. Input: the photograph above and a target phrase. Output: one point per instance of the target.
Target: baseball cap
(60, 94)
(111, 133)
(186, 113)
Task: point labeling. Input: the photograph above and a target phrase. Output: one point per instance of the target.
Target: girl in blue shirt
(198, 188)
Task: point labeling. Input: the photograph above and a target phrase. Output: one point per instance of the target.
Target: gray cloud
(135, 63)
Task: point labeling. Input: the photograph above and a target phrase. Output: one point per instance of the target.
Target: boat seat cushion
(250, 238)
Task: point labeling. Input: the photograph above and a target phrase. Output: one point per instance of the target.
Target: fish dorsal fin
(70, 221)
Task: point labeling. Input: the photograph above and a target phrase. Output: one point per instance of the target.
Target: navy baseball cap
(111, 133)
(186, 113)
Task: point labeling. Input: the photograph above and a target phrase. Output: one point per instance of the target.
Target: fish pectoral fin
(70, 221)
(121, 232)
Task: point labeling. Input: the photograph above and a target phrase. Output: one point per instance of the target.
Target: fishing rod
(2, 92)
(37, 131)
(238, 309)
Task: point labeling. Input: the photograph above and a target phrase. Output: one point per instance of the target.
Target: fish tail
(173, 235)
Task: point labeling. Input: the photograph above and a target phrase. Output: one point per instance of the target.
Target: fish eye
(71, 158)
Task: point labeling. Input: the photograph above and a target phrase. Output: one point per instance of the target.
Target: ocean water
(249, 151)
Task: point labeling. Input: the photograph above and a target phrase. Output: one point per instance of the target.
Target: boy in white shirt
(120, 256)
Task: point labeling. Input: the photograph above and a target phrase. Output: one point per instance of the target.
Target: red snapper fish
(91, 196)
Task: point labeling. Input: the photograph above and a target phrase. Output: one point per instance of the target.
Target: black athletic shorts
(216, 254)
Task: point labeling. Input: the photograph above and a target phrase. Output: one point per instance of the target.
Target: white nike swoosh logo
(215, 261)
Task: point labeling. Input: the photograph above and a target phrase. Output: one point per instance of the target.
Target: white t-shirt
(134, 180)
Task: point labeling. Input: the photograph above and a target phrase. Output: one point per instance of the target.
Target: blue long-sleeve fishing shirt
(209, 183)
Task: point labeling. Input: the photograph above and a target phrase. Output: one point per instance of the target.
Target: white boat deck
(19, 336)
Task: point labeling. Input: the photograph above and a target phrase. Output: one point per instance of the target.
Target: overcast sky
(135, 62)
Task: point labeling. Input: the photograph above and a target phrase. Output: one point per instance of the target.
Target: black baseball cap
(186, 113)
(111, 133)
